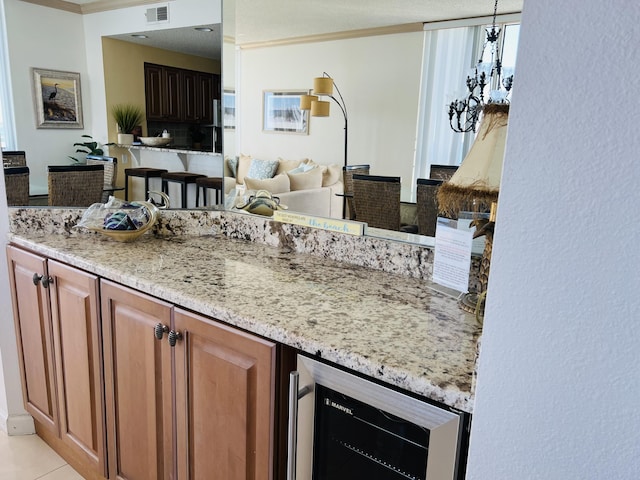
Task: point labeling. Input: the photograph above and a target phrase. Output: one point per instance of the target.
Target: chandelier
(464, 112)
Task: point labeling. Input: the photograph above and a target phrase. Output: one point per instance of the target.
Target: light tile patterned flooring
(27, 457)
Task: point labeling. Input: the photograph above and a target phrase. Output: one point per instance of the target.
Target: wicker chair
(427, 205)
(110, 173)
(75, 185)
(16, 180)
(377, 201)
(348, 172)
(14, 159)
(442, 172)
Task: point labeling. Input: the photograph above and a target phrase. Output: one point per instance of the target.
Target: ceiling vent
(158, 14)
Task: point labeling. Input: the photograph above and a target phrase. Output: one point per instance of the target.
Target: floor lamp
(323, 86)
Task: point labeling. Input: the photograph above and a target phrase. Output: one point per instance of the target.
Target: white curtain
(7, 123)
(449, 54)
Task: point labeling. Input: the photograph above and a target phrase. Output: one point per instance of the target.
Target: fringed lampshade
(475, 185)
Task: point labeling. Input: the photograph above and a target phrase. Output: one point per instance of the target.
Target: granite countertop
(171, 149)
(388, 326)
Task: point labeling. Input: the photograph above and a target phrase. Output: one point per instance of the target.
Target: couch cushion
(278, 184)
(330, 174)
(306, 180)
(244, 163)
(285, 165)
(262, 169)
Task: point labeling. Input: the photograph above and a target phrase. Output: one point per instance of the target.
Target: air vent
(158, 14)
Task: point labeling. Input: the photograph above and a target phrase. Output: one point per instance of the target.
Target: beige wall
(124, 73)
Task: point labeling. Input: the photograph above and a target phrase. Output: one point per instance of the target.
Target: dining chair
(427, 205)
(348, 171)
(442, 172)
(377, 200)
(16, 158)
(16, 180)
(75, 185)
(110, 173)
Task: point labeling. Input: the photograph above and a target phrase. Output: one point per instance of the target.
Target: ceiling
(267, 21)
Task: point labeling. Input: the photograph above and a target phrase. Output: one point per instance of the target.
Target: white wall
(557, 394)
(379, 78)
(52, 39)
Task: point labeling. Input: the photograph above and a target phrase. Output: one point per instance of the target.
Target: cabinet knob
(174, 337)
(36, 278)
(46, 281)
(159, 330)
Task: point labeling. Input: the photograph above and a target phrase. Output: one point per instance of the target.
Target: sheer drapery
(7, 124)
(448, 55)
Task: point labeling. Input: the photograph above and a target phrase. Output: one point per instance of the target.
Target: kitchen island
(390, 327)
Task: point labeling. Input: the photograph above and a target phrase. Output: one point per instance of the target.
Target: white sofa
(302, 185)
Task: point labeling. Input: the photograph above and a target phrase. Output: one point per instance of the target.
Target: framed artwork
(281, 112)
(57, 99)
(229, 109)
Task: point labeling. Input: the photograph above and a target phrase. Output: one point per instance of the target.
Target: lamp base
(473, 303)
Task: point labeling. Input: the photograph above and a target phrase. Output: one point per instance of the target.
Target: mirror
(375, 59)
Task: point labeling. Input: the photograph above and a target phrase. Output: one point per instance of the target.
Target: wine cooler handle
(292, 442)
(294, 380)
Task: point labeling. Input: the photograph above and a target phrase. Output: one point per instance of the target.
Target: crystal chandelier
(464, 112)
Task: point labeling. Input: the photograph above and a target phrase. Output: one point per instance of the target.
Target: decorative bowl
(131, 235)
(155, 141)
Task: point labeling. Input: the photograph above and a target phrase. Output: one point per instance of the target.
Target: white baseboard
(17, 424)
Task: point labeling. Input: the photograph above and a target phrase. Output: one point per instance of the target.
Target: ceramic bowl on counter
(155, 141)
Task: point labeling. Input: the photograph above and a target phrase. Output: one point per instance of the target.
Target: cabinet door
(137, 370)
(224, 401)
(32, 315)
(206, 95)
(153, 91)
(191, 108)
(172, 100)
(78, 355)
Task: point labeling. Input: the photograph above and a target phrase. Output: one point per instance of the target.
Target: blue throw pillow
(233, 166)
(262, 169)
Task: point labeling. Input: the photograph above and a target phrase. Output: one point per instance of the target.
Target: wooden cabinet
(180, 95)
(225, 396)
(163, 93)
(137, 371)
(56, 314)
(211, 416)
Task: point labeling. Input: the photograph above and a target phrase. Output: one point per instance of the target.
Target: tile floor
(27, 457)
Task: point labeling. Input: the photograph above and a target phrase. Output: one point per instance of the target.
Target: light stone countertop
(388, 326)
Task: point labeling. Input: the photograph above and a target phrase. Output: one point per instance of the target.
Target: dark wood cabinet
(180, 95)
(163, 92)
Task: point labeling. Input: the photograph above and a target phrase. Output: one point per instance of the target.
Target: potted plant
(197, 135)
(128, 117)
(88, 147)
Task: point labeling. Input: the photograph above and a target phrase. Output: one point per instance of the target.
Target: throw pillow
(285, 165)
(331, 174)
(306, 180)
(232, 165)
(278, 184)
(303, 167)
(262, 169)
(244, 163)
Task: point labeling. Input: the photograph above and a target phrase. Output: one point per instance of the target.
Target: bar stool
(184, 179)
(142, 172)
(208, 183)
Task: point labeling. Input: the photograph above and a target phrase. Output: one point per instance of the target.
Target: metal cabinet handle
(159, 330)
(36, 278)
(46, 281)
(174, 337)
(292, 435)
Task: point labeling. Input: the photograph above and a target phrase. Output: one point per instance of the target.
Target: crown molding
(94, 7)
(326, 37)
